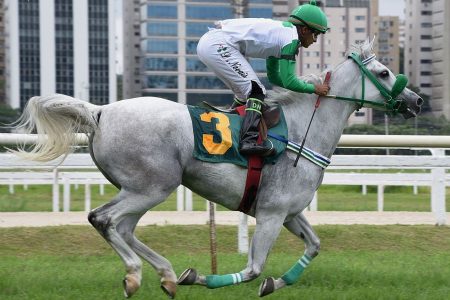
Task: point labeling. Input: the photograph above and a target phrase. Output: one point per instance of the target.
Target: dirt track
(37, 219)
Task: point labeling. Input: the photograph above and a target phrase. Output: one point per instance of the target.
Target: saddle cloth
(216, 136)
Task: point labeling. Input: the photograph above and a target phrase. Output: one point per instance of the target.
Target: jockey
(224, 48)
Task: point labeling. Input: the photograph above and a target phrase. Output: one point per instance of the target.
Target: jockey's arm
(281, 71)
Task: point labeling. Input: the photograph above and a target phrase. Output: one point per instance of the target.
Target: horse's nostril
(419, 102)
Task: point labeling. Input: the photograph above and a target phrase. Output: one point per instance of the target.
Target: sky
(386, 8)
(392, 8)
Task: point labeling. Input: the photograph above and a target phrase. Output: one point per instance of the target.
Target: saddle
(270, 116)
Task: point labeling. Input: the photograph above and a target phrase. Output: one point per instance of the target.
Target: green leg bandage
(216, 281)
(296, 271)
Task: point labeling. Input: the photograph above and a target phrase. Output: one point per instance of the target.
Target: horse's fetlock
(313, 249)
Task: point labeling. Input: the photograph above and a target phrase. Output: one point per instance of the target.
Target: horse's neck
(330, 118)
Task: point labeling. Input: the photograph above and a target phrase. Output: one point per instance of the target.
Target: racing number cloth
(216, 136)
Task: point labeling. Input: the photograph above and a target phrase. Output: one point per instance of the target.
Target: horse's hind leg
(106, 219)
(158, 262)
(300, 227)
(267, 230)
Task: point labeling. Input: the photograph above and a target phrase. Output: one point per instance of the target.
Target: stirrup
(257, 149)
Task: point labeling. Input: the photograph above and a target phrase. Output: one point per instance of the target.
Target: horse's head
(380, 88)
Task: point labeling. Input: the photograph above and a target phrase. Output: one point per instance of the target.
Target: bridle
(390, 104)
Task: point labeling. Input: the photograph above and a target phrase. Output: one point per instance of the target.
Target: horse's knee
(99, 221)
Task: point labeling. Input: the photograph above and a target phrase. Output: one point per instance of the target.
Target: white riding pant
(228, 63)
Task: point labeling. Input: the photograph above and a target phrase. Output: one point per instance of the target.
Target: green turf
(356, 262)
(331, 198)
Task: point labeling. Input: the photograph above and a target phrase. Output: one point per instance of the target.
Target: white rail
(347, 140)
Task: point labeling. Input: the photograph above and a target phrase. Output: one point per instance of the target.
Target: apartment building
(2, 54)
(60, 46)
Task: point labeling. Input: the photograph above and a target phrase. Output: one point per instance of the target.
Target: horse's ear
(372, 42)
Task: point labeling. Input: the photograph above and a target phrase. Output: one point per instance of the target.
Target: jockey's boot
(236, 103)
(250, 130)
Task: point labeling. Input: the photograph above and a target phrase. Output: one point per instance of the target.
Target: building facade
(167, 65)
(60, 46)
(2, 53)
(440, 91)
(387, 32)
(131, 49)
(427, 51)
(169, 31)
(419, 44)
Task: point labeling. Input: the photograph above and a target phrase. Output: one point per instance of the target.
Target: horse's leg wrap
(294, 273)
(216, 281)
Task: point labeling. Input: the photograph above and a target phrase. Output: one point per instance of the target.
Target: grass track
(356, 262)
(331, 198)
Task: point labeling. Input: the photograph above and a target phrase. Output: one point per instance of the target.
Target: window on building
(260, 12)
(426, 49)
(426, 25)
(426, 37)
(360, 18)
(359, 114)
(258, 65)
(426, 61)
(195, 65)
(161, 82)
(426, 12)
(204, 82)
(162, 46)
(162, 29)
(191, 47)
(162, 11)
(426, 73)
(210, 13)
(197, 29)
(426, 85)
(360, 29)
(160, 64)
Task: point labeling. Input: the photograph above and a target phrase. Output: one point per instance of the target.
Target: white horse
(144, 147)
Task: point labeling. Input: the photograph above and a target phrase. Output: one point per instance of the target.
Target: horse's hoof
(188, 277)
(170, 288)
(267, 287)
(131, 284)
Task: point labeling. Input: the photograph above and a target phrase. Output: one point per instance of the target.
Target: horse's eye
(384, 74)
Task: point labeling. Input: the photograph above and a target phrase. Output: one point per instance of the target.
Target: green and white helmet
(310, 15)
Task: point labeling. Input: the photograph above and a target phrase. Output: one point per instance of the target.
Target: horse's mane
(284, 97)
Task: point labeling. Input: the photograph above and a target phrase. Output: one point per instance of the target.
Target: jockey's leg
(250, 125)
(301, 228)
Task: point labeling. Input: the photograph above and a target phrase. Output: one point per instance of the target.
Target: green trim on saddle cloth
(216, 136)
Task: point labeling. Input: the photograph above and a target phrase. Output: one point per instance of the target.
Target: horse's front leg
(300, 227)
(268, 227)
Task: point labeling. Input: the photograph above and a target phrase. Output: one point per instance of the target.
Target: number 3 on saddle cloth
(216, 140)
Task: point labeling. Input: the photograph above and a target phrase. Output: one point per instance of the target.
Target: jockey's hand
(321, 89)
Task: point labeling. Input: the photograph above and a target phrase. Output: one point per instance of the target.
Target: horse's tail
(56, 119)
